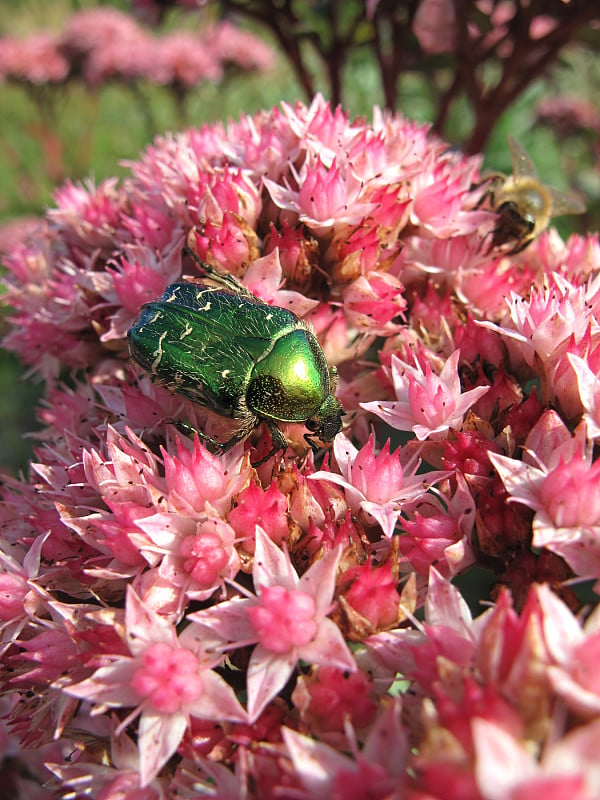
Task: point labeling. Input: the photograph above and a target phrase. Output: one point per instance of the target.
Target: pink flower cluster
(101, 44)
(177, 623)
(569, 114)
(436, 24)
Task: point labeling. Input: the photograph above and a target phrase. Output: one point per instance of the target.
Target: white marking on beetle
(158, 353)
(187, 331)
(206, 306)
(225, 373)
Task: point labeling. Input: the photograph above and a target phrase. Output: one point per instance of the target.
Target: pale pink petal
(386, 515)
(109, 685)
(319, 580)
(549, 439)
(345, 453)
(145, 626)
(217, 701)
(316, 764)
(449, 373)
(228, 621)
(589, 392)
(562, 630)
(272, 567)
(519, 478)
(353, 496)
(159, 737)
(577, 754)
(502, 763)
(395, 413)
(576, 697)
(446, 606)
(387, 743)
(328, 648)
(267, 673)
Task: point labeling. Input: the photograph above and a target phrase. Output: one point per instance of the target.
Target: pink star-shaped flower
(561, 483)
(426, 403)
(376, 485)
(574, 648)
(166, 680)
(378, 770)
(288, 619)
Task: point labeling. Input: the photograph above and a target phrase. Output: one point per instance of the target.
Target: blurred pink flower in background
(36, 59)
(102, 44)
(434, 25)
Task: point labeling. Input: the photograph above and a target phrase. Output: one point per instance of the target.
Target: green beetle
(220, 346)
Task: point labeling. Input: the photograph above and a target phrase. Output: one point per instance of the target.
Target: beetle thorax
(291, 381)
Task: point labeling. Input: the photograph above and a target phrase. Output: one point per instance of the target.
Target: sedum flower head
(178, 621)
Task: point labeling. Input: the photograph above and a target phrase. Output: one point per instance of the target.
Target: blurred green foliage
(49, 134)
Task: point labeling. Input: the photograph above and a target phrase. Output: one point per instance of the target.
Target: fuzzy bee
(524, 204)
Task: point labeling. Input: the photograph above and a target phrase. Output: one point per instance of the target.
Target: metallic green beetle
(220, 346)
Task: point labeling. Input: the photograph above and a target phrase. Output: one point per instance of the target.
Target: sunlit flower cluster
(178, 623)
(101, 44)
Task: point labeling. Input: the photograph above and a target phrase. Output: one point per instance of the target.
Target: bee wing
(565, 204)
(523, 166)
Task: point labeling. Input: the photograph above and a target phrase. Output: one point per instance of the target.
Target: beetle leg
(279, 443)
(308, 438)
(316, 447)
(184, 427)
(217, 448)
(233, 441)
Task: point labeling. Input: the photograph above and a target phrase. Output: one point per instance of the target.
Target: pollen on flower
(283, 619)
(168, 678)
